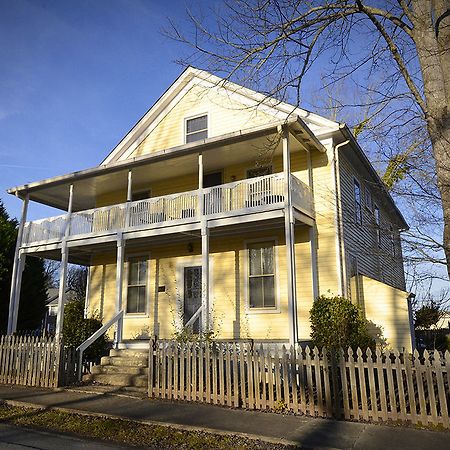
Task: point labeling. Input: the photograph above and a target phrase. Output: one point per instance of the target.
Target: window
(140, 195)
(358, 210)
(259, 172)
(196, 129)
(355, 287)
(376, 214)
(261, 275)
(392, 236)
(137, 285)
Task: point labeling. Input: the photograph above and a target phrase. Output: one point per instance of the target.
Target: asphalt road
(18, 438)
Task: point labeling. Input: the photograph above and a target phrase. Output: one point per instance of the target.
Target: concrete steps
(125, 368)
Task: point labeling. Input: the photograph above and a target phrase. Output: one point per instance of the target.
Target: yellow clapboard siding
(387, 307)
(225, 115)
(230, 315)
(189, 182)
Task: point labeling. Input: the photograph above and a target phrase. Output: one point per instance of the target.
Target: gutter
(339, 228)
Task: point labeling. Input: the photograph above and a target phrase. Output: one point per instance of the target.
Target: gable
(230, 108)
(225, 113)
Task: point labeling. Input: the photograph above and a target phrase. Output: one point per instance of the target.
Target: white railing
(244, 194)
(162, 209)
(301, 195)
(240, 196)
(52, 228)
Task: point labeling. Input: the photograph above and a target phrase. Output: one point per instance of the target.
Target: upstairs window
(261, 275)
(392, 236)
(259, 171)
(140, 195)
(196, 129)
(358, 209)
(376, 215)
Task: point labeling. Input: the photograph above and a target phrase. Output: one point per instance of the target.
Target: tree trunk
(434, 52)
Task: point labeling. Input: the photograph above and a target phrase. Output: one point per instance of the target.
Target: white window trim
(392, 238)
(195, 116)
(270, 310)
(189, 261)
(378, 236)
(145, 314)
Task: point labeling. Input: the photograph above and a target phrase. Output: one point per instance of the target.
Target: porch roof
(91, 182)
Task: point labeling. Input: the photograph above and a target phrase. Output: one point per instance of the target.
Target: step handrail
(91, 339)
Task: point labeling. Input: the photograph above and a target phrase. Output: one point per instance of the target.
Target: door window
(192, 296)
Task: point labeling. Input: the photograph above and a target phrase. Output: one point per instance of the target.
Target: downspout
(337, 188)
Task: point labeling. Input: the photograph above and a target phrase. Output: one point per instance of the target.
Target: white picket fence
(377, 387)
(36, 361)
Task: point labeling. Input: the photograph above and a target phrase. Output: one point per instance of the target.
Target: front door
(192, 297)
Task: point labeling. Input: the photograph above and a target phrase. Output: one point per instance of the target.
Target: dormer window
(196, 128)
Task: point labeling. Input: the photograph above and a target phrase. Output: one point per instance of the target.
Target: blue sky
(76, 75)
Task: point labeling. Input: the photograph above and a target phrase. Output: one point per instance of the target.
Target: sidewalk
(305, 431)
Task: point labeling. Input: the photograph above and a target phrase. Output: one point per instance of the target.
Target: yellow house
(223, 210)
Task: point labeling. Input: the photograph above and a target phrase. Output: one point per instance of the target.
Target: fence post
(151, 364)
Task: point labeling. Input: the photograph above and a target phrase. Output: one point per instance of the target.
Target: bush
(76, 329)
(337, 322)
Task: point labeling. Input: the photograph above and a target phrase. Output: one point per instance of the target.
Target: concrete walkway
(305, 431)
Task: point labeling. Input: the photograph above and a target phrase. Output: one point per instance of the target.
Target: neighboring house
(222, 209)
(51, 308)
(444, 321)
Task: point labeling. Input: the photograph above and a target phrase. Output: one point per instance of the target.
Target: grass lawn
(127, 432)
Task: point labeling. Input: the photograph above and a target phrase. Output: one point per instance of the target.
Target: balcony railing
(240, 197)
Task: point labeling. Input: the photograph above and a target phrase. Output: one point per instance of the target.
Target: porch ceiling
(219, 152)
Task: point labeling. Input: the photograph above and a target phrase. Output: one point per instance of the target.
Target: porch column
(119, 287)
(14, 298)
(314, 266)
(129, 198)
(201, 203)
(313, 232)
(205, 247)
(310, 171)
(205, 276)
(62, 288)
(63, 269)
(130, 186)
(290, 239)
(21, 266)
(87, 296)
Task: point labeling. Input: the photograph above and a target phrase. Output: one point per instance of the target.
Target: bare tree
(407, 173)
(76, 277)
(404, 44)
(76, 281)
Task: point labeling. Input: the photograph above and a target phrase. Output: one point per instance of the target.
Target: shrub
(337, 322)
(76, 329)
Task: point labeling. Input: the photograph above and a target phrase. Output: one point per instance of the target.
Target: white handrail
(91, 339)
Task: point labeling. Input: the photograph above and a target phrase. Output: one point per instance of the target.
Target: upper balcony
(240, 198)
